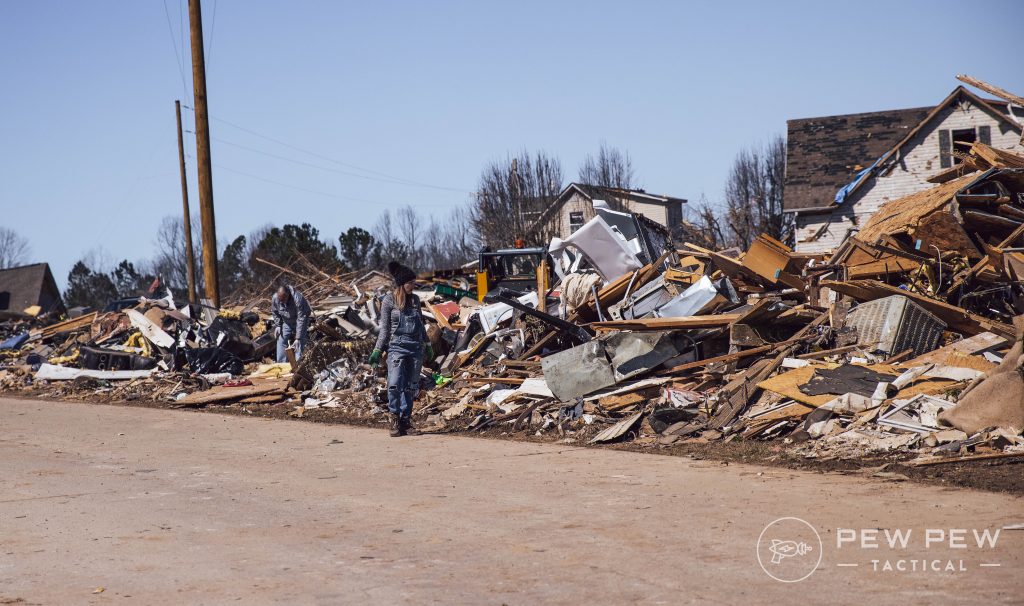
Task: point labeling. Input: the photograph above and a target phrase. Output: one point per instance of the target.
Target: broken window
(575, 221)
(962, 139)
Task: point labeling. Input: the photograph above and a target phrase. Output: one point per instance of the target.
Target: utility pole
(195, 22)
(188, 219)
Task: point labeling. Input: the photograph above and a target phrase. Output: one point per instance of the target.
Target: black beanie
(401, 273)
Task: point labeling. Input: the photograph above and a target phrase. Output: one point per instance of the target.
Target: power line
(174, 43)
(312, 165)
(395, 179)
(313, 191)
(213, 28)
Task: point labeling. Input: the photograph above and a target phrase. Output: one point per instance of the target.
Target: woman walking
(404, 338)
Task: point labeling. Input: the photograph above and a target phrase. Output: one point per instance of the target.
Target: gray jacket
(295, 313)
(390, 316)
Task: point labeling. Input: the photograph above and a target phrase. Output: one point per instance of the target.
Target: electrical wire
(174, 43)
(213, 28)
(312, 165)
(316, 192)
(394, 178)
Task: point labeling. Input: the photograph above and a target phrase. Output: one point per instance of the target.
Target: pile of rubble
(901, 341)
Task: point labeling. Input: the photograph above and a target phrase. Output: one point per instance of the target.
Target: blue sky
(430, 92)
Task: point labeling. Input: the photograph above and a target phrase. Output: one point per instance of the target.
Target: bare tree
(512, 194)
(702, 225)
(461, 237)
(391, 245)
(753, 194)
(409, 230)
(170, 263)
(14, 248)
(609, 168)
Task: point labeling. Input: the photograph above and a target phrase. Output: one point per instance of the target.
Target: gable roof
(600, 192)
(823, 155)
(28, 285)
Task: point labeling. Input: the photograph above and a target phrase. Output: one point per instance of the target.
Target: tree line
(511, 194)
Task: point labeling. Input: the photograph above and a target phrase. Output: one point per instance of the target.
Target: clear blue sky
(429, 92)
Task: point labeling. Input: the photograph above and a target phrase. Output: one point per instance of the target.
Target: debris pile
(901, 341)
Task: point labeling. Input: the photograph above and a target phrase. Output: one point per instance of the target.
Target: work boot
(396, 426)
(407, 428)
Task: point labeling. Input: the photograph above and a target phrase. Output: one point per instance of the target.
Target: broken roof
(825, 154)
(28, 285)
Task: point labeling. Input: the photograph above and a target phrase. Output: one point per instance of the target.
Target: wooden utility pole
(188, 219)
(195, 22)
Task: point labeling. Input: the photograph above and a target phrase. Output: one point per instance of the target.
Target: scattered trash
(615, 333)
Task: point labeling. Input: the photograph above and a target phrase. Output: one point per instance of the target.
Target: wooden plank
(814, 355)
(507, 380)
(681, 323)
(738, 393)
(981, 457)
(733, 357)
(68, 325)
(968, 346)
(224, 394)
(443, 321)
(991, 89)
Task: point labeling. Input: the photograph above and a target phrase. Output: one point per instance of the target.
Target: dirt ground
(1006, 475)
(122, 505)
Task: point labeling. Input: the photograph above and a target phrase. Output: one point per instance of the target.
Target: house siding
(576, 203)
(655, 212)
(919, 161)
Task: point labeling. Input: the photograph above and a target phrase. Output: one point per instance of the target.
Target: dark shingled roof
(824, 154)
(28, 285)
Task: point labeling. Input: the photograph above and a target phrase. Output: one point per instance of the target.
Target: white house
(841, 169)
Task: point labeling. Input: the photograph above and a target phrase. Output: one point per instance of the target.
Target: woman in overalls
(404, 337)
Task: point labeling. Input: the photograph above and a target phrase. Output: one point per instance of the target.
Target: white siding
(908, 174)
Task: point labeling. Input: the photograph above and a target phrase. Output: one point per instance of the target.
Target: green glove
(430, 352)
(375, 358)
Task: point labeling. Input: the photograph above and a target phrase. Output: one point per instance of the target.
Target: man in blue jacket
(290, 313)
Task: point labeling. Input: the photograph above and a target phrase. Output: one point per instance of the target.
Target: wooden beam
(991, 89)
(681, 323)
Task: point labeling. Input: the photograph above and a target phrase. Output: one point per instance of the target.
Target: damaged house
(574, 206)
(23, 288)
(841, 169)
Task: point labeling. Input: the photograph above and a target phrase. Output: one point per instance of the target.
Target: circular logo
(789, 550)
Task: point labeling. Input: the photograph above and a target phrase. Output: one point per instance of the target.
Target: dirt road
(168, 507)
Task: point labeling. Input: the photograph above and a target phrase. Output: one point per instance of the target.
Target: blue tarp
(14, 342)
(845, 191)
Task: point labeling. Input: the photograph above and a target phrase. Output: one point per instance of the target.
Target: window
(575, 221)
(962, 139)
(959, 141)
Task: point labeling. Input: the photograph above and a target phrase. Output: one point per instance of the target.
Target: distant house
(841, 169)
(574, 206)
(28, 285)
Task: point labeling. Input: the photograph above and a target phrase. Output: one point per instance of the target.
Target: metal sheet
(635, 353)
(578, 371)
